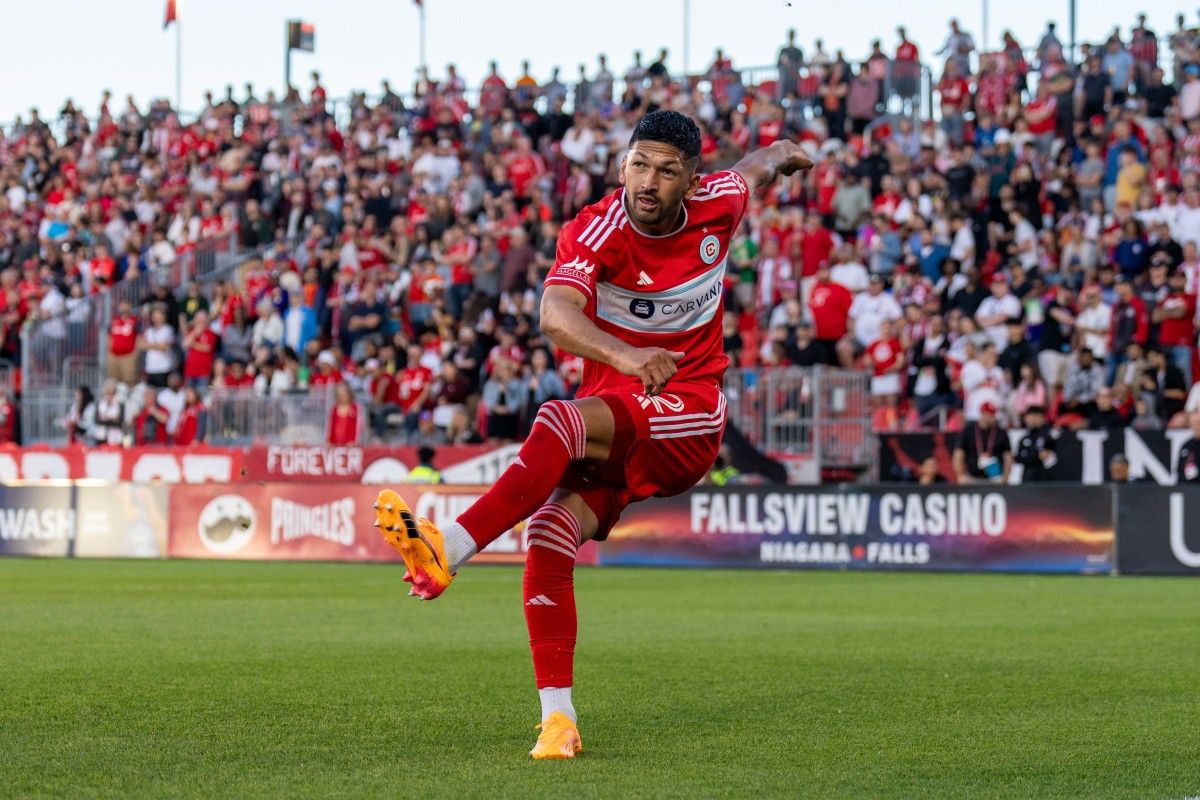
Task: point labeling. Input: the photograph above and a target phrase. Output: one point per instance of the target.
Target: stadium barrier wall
(1159, 530)
(901, 527)
(465, 464)
(1137, 529)
(1082, 455)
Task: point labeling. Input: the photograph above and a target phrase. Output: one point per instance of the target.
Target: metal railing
(244, 418)
(815, 412)
(61, 353)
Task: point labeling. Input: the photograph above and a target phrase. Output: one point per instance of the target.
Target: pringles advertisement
(982, 528)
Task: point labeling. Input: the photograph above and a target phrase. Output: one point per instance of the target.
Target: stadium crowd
(1037, 246)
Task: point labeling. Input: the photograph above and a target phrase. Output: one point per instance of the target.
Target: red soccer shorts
(662, 446)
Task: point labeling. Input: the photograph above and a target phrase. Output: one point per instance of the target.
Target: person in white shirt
(995, 311)
(849, 272)
(1094, 321)
(870, 309)
(158, 341)
(1186, 228)
(962, 246)
(173, 400)
(982, 382)
(1025, 240)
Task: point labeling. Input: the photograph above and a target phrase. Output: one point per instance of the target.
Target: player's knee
(563, 419)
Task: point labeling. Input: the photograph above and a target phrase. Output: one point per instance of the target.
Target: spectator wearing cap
(328, 372)
(983, 453)
(997, 309)
(1036, 452)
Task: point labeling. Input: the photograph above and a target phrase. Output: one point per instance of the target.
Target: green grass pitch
(227, 680)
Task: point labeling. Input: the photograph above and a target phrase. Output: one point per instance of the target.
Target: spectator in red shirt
(8, 420)
(200, 346)
(1177, 332)
(344, 427)
(885, 357)
(150, 425)
(193, 421)
(829, 304)
(327, 373)
(385, 397)
(955, 94)
(122, 345)
(237, 378)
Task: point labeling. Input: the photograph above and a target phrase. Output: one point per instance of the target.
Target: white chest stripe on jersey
(680, 309)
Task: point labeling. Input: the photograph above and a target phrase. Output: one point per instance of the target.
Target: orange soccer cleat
(559, 738)
(419, 542)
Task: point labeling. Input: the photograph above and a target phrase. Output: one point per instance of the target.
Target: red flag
(171, 15)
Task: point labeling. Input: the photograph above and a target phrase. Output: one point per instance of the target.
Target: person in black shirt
(801, 350)
(1166, 382)
(1158, 95)
(983, 454)
(1106, 416)
(1036, 450)
(1187, 468)
(1017, 351)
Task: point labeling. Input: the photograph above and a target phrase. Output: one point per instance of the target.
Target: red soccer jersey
(122, 335)
(1178, 331)
(884, 353)
(198, 363)
(655, 291)
(411, 382)
(830, 307)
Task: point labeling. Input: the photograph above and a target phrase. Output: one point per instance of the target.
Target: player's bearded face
(657, 179)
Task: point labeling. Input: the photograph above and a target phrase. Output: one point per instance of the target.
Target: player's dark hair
(669, 127)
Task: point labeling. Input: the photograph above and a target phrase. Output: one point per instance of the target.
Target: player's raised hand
(795, 159)
(654, 366)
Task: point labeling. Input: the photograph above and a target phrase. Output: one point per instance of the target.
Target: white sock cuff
(459, 545)
(555, 698)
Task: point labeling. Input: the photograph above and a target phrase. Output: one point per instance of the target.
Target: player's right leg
(563, 432)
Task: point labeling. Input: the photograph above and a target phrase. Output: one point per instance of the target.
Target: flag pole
(178, 70)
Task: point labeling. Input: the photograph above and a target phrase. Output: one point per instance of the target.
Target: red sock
(557, 439)
(549, 592)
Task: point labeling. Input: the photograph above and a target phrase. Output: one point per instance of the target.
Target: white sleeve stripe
(587, 289)
(708, 187)
(607, 219)
(588, 229)
(722, 193)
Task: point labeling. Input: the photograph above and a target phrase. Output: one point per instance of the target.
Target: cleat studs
(375, 506)
(375, 524)
(388, 507)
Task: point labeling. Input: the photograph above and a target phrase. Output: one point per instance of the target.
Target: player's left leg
(554, 535)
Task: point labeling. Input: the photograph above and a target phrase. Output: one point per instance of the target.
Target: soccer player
(636, 291)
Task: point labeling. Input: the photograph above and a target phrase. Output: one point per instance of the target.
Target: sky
(55, 49)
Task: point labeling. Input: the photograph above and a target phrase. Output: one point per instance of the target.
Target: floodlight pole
(687, 25)
(1071, 26)
(421, 14)
(287, 60)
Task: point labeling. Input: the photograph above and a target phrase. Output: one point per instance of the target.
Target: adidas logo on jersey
(644, 279)
(578, 265)
(540, 600)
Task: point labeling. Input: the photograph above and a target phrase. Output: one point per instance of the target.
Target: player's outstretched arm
(779, 158)
(564, 321)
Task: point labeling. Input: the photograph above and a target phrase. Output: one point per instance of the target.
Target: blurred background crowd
(1031, 243)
